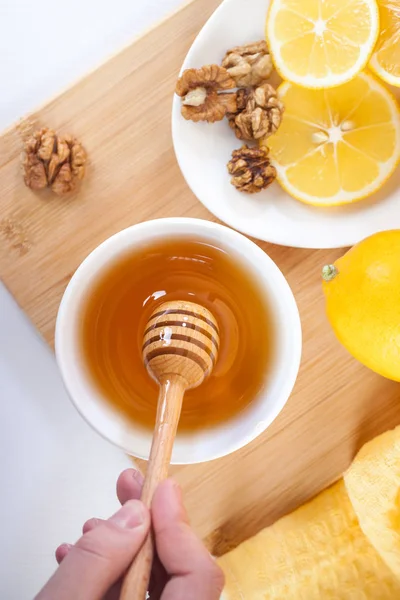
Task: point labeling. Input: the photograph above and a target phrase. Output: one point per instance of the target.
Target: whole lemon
(362, 292)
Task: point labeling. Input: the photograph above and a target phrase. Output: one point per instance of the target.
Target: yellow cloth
(343, 545)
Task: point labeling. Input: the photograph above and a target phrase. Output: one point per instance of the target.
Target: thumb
(100, 557)
(192, 573)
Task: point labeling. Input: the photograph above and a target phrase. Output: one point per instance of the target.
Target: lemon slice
(385, 61)
(338, 145)
(321, 43)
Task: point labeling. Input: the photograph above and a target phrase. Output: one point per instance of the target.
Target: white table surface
(54, 471)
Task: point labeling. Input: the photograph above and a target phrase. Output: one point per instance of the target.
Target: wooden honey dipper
(180, 348)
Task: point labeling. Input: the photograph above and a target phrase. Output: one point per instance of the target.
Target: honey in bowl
(129, 290)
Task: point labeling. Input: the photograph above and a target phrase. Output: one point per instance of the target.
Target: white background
(54, 471)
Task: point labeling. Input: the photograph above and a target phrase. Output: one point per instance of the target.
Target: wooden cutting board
(121, 112)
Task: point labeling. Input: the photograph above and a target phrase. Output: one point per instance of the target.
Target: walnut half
(259, 113)
(51, 160)
(251, 169)
(249, 65)
(199, 90)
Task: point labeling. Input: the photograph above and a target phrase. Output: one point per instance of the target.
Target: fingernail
(130, 516)
(62, 552)
(177, 490)
(137, 476)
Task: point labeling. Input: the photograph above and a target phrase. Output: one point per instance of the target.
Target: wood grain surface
(121, 112)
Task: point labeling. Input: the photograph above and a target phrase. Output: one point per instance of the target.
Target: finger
(91, 524)
(158, 579)
(129, 485)
(62, 552)
(114, 593)
(100, 557)
(193, 574)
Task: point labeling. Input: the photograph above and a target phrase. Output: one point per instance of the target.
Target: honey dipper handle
(170, 398)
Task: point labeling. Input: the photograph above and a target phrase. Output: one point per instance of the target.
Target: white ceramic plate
(203, 150)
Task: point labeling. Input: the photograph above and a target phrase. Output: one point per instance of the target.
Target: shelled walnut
(253, 110)
(251, 169)
(199, 90)
(52, 160)
(259, 113)
(249, 65)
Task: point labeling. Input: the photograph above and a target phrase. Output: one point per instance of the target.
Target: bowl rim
(93, 264)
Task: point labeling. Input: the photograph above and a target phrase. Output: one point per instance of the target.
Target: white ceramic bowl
(203, 151)
(206, 444)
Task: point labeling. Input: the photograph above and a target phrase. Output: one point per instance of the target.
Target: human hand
(92, 568)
